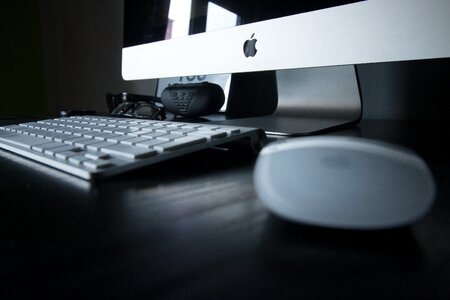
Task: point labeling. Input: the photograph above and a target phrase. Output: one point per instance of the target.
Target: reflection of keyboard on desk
(91, 146)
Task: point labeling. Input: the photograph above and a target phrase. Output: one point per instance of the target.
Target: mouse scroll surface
(343, 182)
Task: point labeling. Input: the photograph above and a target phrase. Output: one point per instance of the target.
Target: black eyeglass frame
(133, 106)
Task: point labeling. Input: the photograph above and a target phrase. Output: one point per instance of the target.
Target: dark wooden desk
(193, 228)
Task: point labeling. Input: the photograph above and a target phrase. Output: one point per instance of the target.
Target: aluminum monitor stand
(307, 101)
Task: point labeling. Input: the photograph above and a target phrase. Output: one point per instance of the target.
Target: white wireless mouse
(342, 182)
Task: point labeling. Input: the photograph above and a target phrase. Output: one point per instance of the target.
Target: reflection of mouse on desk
(341, 182)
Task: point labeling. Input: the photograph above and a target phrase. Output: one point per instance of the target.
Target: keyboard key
(180, 143)
(96, 164)
(130, 152)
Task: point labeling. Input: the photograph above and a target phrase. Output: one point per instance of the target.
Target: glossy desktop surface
(194, 228)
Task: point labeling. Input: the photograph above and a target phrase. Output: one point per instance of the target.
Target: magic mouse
(344, 182)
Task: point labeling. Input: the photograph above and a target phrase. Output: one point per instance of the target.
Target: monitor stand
(285, 102)
(294, 102)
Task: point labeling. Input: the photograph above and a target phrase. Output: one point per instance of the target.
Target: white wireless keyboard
(91, 146)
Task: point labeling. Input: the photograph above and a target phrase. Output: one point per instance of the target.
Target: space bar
(129, 152)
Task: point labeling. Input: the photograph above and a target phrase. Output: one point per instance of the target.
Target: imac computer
(254, 44)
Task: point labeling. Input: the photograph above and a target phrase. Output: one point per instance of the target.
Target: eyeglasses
(143, 110)
(135, 106)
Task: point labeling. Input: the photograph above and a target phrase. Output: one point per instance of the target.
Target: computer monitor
(177, 38)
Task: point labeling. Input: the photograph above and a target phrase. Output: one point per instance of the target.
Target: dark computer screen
(155, 20)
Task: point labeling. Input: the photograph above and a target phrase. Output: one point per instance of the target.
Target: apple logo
(250, 47)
